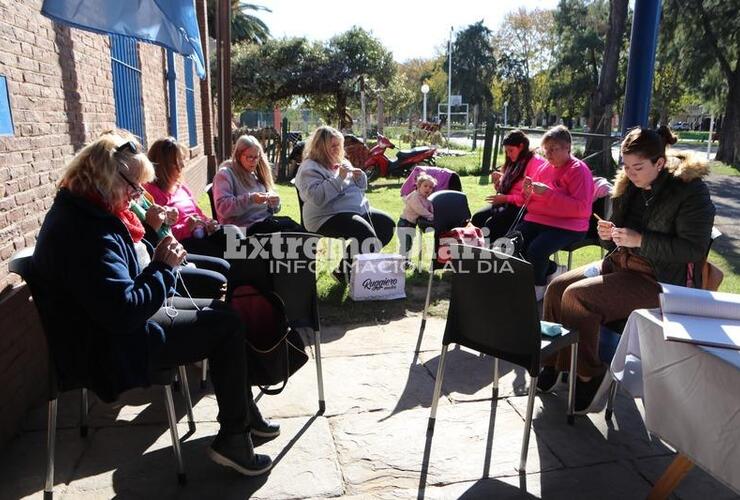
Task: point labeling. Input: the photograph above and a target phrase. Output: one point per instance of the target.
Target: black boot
(237, 451)
(258, 425)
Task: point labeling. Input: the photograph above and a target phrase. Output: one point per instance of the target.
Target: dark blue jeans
(541, 241)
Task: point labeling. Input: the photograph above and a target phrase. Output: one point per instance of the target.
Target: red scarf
(129, 219)
(132, 223)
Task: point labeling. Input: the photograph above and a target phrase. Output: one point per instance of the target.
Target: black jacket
(677, 223)
(94, 300)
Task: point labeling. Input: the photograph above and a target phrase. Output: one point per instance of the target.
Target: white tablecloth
(691, 393)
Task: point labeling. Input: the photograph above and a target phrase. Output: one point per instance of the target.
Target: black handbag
(274, 350)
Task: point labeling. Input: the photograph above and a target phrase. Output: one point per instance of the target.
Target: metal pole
(643, 42)
(449, 91)
(506, 113)
(709, 137)
(425, 108)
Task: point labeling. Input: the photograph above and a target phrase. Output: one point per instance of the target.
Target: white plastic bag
(377, 276)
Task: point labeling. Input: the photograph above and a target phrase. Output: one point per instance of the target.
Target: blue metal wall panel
(190, 102)
(127, 85)
(172, 93)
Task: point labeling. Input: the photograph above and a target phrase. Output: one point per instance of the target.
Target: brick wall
(61, 96)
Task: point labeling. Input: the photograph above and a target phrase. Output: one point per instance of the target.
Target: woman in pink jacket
(507, 202)
(560, 195)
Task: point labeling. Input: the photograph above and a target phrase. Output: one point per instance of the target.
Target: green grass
(337, 307)
(724, 169)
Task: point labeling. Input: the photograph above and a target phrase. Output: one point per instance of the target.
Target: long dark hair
(514, 170)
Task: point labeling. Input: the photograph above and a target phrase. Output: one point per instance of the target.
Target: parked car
(681, 126)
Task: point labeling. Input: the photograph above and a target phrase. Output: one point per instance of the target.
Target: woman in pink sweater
(509, 181)
(560, 195)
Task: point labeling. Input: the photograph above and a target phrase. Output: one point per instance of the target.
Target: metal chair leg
(51, 432)
(319, 371)
(181, 478)
(495, 377)
(572, 382)
(570, 260)
(437, 387)
(188, 400)
(613, 387)
(421, 249)
(426, 302)
(204, 374)
(83, 412)
(528, 425)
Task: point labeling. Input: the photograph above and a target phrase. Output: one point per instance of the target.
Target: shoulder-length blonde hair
(262, 171)
(97, 168)
(168, 157)
(318, 146)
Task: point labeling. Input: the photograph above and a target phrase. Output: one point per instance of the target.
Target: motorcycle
(376, 164)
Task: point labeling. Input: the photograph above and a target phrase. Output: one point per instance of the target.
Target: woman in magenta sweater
(560, 195)
(507, 202)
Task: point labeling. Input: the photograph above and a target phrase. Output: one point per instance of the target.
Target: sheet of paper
(692, 301)
(715, 332)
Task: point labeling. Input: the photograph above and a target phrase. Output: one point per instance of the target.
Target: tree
(474, 65)
(713, 35)
(244, 27)
(581, 29)
(602, 100)
(527, 37)
(325, 74)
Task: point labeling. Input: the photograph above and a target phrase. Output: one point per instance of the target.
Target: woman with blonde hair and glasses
(334, 198)
(244, 192)
(105, 312)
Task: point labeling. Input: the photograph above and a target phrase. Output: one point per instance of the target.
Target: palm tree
(244, 27)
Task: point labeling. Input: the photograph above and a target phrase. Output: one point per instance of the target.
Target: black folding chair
(21, 263)
(494, 311)
(292, 267)
(450, 210)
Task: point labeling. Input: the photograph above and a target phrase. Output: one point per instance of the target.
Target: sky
(408, 28)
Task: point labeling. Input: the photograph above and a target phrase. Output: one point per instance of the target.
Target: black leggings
(274, 224)
(365, 234)
(207, 280)
(498, 220)
(215, 332)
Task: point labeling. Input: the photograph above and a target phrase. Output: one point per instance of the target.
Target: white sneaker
(558, 271)
(539, 292)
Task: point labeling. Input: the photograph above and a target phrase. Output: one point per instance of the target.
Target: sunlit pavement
(370, 443)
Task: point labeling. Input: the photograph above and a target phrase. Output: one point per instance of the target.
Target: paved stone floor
(370, 443)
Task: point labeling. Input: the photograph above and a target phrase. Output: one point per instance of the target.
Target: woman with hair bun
(660, 231)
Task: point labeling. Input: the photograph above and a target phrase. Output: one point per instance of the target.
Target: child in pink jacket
(416, 206)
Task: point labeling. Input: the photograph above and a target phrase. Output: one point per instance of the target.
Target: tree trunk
(603, 99)
(728, 150)
(343, 118)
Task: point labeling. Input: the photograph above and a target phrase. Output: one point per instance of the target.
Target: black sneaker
(548, 379)
(585, 393)
(236, 451)
(339, 275)
(259, 425)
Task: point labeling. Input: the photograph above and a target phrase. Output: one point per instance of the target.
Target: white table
(691, 393)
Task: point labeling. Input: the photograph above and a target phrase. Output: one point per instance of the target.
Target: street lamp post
(425, 91)
(449, 91)
(506, 113)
